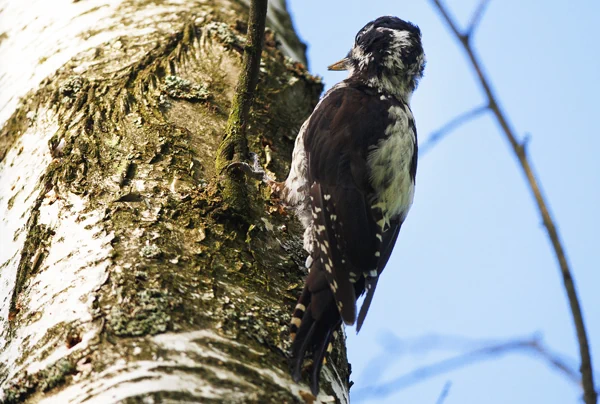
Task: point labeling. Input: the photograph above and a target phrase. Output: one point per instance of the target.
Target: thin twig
(444, 393)
(234, 147)
(531, 345)
(476, 17)
(448, 127)
(590, 394)
(558, 363)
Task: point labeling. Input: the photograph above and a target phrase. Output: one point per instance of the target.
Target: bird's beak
(341, 65)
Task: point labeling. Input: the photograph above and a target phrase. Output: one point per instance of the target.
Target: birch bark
(123, 276)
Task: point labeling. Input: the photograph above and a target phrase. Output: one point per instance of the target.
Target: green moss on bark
(44, 380)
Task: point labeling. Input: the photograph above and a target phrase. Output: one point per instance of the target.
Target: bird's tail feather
(311, 329)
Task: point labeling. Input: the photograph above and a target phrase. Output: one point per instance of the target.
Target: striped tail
(314, 321)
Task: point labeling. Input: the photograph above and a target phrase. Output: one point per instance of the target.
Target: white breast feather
(392, 158)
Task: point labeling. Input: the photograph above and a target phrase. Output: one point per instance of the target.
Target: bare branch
(444, 393)
(442, 132)
(476, 17)
(532, 345)
(590, 394)
(557, 363)
(234, 147)
(462, 37)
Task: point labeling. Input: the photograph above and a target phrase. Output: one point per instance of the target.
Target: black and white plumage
(352, 182)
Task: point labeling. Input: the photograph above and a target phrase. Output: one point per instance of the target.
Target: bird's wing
(348, 240)
(389, 239)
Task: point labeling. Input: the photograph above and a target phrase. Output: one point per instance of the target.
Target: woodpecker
(352, 183)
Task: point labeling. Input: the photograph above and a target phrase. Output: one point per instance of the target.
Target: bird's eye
(358, 37)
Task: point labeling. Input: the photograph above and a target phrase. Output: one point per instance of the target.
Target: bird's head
(388, 55)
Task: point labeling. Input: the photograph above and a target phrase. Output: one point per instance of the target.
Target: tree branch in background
(233, 150)
(590, 394)
(444, 393)
(486, 351)
(476, 18)
(439, 134)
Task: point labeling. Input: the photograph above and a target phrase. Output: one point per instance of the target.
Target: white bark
(66, 263)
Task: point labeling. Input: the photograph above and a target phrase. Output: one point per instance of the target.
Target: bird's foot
(256, 171)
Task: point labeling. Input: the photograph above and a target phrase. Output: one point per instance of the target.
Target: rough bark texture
(123, 276)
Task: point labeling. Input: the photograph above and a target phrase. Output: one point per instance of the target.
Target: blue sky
(473, 259)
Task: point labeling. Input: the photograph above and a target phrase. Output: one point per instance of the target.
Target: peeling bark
(123, 275)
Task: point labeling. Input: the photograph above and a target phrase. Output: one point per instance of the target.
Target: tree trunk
(123, 276)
